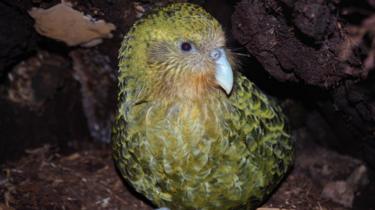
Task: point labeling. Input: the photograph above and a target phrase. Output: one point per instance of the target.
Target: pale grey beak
(224, 73)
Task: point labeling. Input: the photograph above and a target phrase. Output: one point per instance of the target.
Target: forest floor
(87, 179)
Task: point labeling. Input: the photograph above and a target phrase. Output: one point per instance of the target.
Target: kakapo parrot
(192, 134)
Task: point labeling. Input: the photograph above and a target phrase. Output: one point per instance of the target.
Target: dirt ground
(87, 179)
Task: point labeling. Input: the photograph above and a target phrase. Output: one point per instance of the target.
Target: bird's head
(179, 52)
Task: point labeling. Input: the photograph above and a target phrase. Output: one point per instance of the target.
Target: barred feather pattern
(210, 152)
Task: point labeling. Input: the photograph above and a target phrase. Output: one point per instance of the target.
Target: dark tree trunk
(311, 44)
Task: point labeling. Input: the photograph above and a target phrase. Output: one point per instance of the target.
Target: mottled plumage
(180, 139)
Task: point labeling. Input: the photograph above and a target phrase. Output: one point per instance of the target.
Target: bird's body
(183, 137)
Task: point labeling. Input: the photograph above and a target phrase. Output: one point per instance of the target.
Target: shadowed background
(315, 56)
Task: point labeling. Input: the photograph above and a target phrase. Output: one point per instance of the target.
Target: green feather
(218, 152)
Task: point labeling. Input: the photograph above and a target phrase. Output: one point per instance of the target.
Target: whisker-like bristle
(242, 54)
(237, 48)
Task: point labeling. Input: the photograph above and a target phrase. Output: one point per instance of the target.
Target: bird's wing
(260, 124)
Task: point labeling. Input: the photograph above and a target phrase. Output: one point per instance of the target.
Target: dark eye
(186, 46)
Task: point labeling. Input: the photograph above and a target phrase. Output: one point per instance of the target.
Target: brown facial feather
(179, 74)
